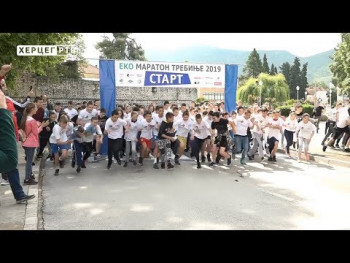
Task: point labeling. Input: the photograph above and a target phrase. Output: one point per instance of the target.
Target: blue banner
(231, 76)
(107, 92)
(153, 78)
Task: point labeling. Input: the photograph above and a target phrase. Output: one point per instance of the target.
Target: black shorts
(272, 140)
(222, 142)
(339, 131)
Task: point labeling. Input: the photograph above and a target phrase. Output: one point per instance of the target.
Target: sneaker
(199, 165)
(125, 164)
(25, 199)
(177, 160)
(57, 171)
(32, 176)
(208, 157)
(347, 150)
(274, 159)
(134, 162)
(203, 159)
(294, 145)
(170, 166)
(61, 163)
(324, 148)
(270, 159)
(211, 164)
(229, 160)
(83, 165)
(218, 158)
(4, 182)
(140, 161)
(299, 161)
(155, 166)
(30, 182)
(119, 162)
(162, 165)
(73, 163)
(40, 155)
(109, 166)
(243, 162)
(337, 146)
(251, 157)
(78, 169)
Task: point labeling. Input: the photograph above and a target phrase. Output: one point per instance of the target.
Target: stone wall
(80, 90)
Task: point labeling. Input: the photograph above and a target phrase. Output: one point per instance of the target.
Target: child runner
(305, 130)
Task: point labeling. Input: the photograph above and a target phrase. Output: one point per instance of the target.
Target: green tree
(276, 71)
(41, 65)
(285, 70)
(122, 46)
(341, 63)
(253, 65)
(295, 78)
(303, 79)
(265, 66)
(272, 70)
(274, 88)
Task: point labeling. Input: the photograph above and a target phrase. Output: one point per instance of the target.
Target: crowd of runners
(163, 132)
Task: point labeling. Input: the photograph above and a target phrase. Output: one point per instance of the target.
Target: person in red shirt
(39, 115)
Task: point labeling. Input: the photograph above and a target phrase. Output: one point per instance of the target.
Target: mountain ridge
(318, 64)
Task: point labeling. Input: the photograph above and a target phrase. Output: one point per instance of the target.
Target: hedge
(307, 108)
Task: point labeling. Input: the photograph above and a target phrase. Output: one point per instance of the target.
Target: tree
(121, 47)
(40, 65)
(341, 63)
(265, 66)
(276, 71)
(274, 88)
(253, 65)
(272, 71)
(295, 78)
(303, 78)
(285, 70)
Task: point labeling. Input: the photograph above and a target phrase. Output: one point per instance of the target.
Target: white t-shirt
(178, 117)
(201, 130)
(146, 128)
(242, 126)
(93, 131)
(306, 129)
(70, 129)
(71, 113)
(131, 135)
(261, 123)
(208, 122)
(58, 134)
(140, 117)
(193, 117)
(331, 114)
(86, 116)
(115, 129)
(127, 115)
(183, 127)
(166, 111)
(291, 125)
(275, 132)
(158, 121)
(343, 116)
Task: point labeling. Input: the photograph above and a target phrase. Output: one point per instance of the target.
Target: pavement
(19, 216)
(285, 195)
(259, 196)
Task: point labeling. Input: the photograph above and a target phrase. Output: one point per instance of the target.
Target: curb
(31, 213)
(317, 159)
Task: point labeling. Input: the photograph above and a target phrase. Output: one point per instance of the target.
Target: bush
(285, 110)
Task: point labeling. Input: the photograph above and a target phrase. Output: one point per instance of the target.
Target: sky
(299, 44)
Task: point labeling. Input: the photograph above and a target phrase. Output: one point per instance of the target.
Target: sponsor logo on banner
(139, 75)
(139, 81)
(197, 77)
(129, 75)
(166, 78)
(130, 81)
(121, 80)
(217, 83)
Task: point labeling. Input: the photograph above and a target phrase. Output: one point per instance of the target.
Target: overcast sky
(299, 44)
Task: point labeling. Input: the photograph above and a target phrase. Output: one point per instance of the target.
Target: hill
(318, 69)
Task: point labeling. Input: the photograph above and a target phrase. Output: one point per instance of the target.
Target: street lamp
(260, 84)
(298, 94)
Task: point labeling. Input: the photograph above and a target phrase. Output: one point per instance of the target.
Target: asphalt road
(282, 195)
